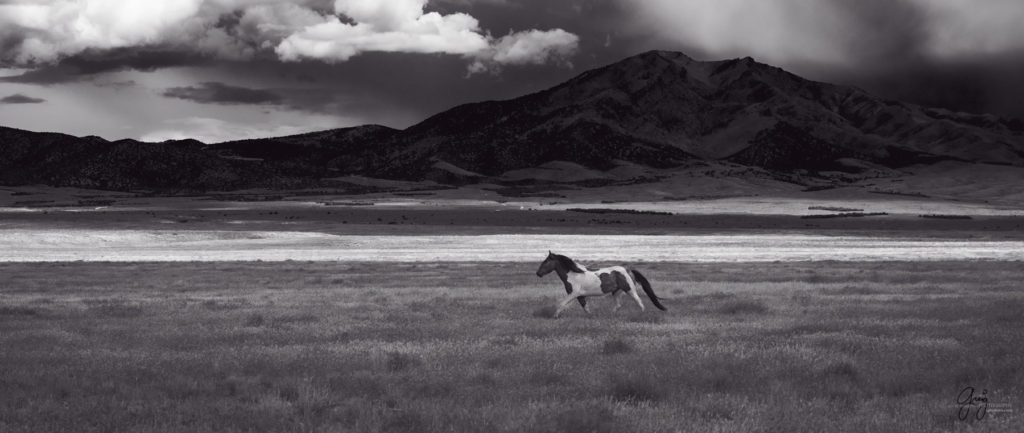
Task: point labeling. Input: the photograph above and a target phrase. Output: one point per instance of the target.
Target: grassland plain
(419, 347)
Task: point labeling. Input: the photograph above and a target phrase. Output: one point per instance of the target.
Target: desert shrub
(648, 316)
(506, 341)
(401, 361)
(116, 309)
(835, 209)
(546, 312)
(743, 306)
(295, 318)
(288, 392)
(637, 386)
(616, 346)
(802, 299)
(944, 216)
(483, 378)
(586, 419)
(618, 211)
(842, 369)
(255, 320)
(18, 311)
(851, 290)
(1005, 312)
(434, 390)
(710, 297)
(844, 215)
(405, 421)
(357, 385)
(546, 377)
(215, 305)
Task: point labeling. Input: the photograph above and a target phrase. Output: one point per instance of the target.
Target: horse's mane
(568, 264)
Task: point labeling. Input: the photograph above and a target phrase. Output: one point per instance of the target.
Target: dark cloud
(885, 30)
(220, 93)
(987, 85)
(18, 98)
(88, 64)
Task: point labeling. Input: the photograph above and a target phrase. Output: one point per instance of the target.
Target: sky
(219, 70)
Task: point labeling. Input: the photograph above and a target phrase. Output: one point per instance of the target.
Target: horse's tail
(648, 290)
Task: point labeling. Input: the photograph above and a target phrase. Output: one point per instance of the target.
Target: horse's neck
(578, 265)
(563, 273)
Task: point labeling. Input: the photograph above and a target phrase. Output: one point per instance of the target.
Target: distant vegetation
(247, 197)
(347, 203)
(615, 211)
(844, 215)
(905, 194)
(946, 217)
(835, 209)
(819, 188)
(706, 197)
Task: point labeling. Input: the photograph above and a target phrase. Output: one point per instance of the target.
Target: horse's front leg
(565, 303)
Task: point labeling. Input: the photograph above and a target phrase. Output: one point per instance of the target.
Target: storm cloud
(18, 98)
(220, 93)
(839, 31)
(90, 63)
(958, 54)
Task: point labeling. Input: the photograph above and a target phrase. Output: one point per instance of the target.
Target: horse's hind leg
(636, 297)
(618, 301)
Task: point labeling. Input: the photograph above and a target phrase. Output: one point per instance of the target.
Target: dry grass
(839, 347)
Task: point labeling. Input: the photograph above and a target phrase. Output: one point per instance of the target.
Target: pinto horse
(581, 283)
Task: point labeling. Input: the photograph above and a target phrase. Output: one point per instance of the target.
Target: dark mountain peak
(666, 107)
(662, 55)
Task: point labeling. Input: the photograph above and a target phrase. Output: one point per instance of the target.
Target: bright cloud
(50, 30)
(402, 26)
(523, 48)
(44, 31)
(394, 26)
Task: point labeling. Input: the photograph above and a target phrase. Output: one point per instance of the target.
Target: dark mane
(568, 263)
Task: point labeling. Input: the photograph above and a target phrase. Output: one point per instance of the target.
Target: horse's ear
(550, 253)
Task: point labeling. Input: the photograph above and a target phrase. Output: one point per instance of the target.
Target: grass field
(772, 347)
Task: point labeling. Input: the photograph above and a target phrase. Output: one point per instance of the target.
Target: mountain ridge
(659, 109)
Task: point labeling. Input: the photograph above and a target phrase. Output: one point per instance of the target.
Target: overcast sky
(227, 69)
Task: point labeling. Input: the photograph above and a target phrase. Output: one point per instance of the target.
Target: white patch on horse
(585, 283)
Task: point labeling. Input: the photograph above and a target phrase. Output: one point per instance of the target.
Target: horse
(581, 283)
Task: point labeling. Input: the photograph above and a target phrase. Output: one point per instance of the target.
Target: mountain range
(658, 109)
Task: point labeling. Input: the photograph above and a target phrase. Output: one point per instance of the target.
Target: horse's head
(547, 265)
